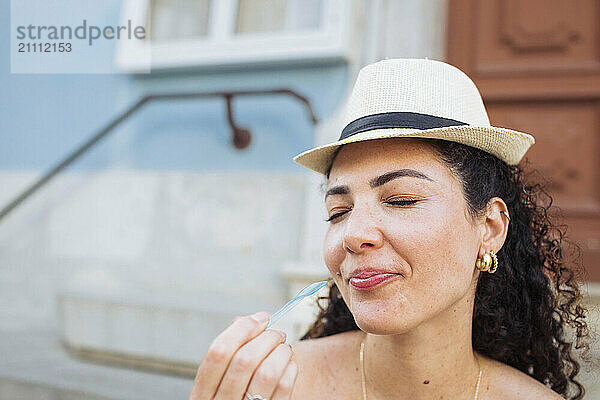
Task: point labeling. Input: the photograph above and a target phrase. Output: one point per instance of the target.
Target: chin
(381, 328)
(381, 318)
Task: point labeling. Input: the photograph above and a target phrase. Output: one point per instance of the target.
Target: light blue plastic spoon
(307, 291)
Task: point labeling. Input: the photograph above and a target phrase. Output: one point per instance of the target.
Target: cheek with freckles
(334, 255)
(439, 255)
(333, 252)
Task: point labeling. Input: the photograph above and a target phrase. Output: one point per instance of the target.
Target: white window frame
(223, 47)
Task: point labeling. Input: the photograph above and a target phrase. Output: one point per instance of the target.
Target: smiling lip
(369, 280)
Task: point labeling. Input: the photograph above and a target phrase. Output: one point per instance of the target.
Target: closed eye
(400, 203)
(337, 215)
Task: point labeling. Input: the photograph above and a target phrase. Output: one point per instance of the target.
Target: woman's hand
(246, 358)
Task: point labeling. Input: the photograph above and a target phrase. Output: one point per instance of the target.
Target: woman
(449, 279)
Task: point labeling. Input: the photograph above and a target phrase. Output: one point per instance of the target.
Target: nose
(362, 231)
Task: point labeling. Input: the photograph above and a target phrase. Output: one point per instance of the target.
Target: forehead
(364, 160)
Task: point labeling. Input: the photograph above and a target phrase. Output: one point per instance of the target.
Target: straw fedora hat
(418, 98)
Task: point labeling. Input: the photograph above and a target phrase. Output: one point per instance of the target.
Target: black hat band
(397, 120)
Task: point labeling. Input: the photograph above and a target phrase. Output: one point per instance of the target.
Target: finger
(285, 387)
(267, 375)
(244, 363)
(221, 351)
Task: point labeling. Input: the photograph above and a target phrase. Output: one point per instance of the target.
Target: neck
(434, 360)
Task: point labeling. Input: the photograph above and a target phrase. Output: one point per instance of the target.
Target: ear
(495, 226)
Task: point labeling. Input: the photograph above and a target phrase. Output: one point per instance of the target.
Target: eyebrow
(381, 180)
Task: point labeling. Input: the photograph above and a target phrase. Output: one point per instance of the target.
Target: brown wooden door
(537, 65)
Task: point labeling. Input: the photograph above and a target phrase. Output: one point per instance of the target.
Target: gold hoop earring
(488, 262)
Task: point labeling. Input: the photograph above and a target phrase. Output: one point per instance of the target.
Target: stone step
(35, 365)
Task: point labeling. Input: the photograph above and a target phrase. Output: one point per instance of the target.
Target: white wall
(206, 242)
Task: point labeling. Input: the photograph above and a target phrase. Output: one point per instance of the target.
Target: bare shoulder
(328, 366)
(501, 381)
(325, 363)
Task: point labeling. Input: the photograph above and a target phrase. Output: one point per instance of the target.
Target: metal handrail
(241, 136)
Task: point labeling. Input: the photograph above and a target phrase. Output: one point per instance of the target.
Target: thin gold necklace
(362, 371)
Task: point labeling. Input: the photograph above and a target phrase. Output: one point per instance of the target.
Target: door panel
(537, 65)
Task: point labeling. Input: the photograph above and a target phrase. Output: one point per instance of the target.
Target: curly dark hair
(521, 311)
